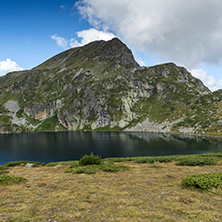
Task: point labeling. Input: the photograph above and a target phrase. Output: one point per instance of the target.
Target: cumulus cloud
(60, 41)
(85, 36)
(208, 80)
(141, 62)
(90, 35)
(8, 66)
(188, 33)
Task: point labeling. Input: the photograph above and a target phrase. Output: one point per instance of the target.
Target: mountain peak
(113, 51)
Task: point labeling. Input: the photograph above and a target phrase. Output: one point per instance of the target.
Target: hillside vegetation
(101, 87)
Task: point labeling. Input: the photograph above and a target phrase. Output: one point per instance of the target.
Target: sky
(188, 33)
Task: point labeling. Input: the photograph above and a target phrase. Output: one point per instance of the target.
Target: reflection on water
(46, 147)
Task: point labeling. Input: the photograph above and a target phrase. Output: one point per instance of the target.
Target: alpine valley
(100, 86)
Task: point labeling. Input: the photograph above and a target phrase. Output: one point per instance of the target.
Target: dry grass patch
(139, 194)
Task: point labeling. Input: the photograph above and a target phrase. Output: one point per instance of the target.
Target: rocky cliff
(100, 86)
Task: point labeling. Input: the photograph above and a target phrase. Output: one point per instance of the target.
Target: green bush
(9, 180)
(203, 181)
(3, 170)
(166, 159)
(160, 159)
(17, 163)
(145, 160)
(85, 169)
(197, 161)
(113, 168)
(69, 171)
(120, 159)
(90, 160)
(90, 169)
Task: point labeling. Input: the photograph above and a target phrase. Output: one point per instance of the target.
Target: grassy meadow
(173, 188)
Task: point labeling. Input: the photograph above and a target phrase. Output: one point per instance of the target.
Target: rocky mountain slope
(100, 86)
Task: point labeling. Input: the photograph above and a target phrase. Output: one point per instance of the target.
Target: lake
(61, 146)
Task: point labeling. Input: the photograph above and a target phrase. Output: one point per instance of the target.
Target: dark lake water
(48, 147)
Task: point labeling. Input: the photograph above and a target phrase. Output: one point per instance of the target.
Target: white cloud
(86, 37)
(8, 66)
(60, 41)
(90, 35)
(208, 80)
(188, 33)
(141, 62)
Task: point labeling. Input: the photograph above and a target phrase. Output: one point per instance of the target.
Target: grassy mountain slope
(101, 87)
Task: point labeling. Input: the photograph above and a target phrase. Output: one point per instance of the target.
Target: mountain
(100, 86)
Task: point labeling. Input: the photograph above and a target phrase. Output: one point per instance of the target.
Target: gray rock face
(115, 49)
(43, 110)
(100, 86)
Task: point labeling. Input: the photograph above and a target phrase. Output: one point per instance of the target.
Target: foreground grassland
(148, 189)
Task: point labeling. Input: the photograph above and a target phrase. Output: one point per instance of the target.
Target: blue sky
(156, 31)
(26, 27)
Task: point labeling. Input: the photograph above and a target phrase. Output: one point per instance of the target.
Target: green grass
(10, 180)
(156, 166)
(197, 161)
(183, 160)
(89, 194)
(3, 170)
(50, 124)
(113, 168)
(91, 169)
(64, 163)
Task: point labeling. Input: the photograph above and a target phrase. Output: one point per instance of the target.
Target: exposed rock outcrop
(100, 86)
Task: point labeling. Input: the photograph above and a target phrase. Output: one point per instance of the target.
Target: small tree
(90, 160)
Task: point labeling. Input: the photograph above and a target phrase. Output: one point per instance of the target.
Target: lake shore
(169, 133)
(145, 192)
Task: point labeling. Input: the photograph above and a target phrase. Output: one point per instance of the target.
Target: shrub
(3, 170)
(17, 163)
(203, 181)
(90, 160)
(85, 169)
(145, 160)
(160, 159)
(166, 159)
(69, 171)
(90, 169)
(197, 161)
(113, 168)
(9, 180)
(119, 159)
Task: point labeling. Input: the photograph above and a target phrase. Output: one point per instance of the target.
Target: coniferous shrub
(204, 181)
(90, 160)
